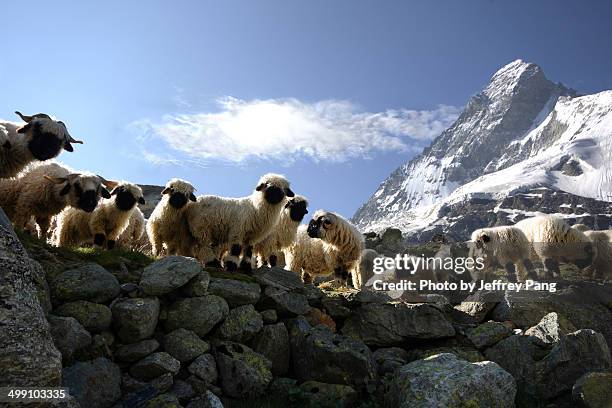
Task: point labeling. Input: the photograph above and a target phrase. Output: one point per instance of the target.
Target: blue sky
(333, 94)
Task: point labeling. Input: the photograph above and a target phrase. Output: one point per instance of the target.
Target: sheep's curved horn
(29, 119)
(56, 180)
(70, 139)
(108, 183)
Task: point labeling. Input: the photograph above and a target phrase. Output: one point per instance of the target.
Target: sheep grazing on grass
(554, 241)
(167, 224)
(330, 244)
(134, 237)
(41, 138)
(44, 190)
(105, 224)
(230, 227)
(507, 246)
(602, 264)
(282, 236)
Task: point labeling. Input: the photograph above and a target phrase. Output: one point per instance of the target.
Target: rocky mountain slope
(522, 136)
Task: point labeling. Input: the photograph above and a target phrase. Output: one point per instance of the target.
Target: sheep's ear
(192, 197)
(66, 189)
(104, 193)
(166, 190)
(115, 190)
(141, 201)
(289, 203)
(486, 238)
(289, 193)
(68, 147)
(260, 187)
(24, 128)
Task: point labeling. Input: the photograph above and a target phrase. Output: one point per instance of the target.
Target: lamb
(105, 224)
(219, 224)
(167, 224)
(330, 244)
(40, 139)
(602, 264)
(506, 245)
(553, 240)
(132, 236)
(44, 189)
(270, 248)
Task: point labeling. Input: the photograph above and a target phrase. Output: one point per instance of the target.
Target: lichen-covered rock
(273, 343)
(320, 394)
(279, 278)
(136, 351)
(573, 356)
(390, 359)
(168, 274)
(183, 391)
(336, 306)
(208, 400)
(164, 401)
(476, 307)
(286, 304)
(68, 335)
(488, 333)
(320, 355)
(88, 282)
(392, 324)
(93, 316)
(593, 390)
(27, 354)
(184, 345)
(316, 316)
(269, 316)
(446, 381)
(243, 372)
(205, 368)
(550, 329)
(466, 353)
(241, 325)
(155, 365)
(236, 293)
(199, 314)
(198, 286)
(95, 384)
(135, 318)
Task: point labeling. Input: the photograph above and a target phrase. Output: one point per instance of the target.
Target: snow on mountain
(520, 133)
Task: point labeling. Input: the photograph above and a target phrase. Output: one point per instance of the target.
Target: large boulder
(390, 359)
(273, 343)
(68, 335)
(136, 351)
(391, 324)
(185, 345)
(155, 365)
(205, 368)
(593, 390)
(551, 328)
(243, 372)
(235, 292)
(286, 303)
(168, 274)
(27, 354)
(89, 282)
(444, 380)
(488, 333)
(95, 384)
(279, 278)
(135, 318)
(241, 325)
(199, 314)
(320, 355)
(198, 286)
(93, 316)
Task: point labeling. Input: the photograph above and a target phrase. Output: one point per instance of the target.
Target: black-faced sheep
(507, 246)
(41, 138)
(230, 227)
(283, 234)
(167, 224)
(134, 237)
(554, 241)
(330, 244)
(102, 226)
(43, 190)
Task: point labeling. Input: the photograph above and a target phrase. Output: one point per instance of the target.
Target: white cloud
(287, 129)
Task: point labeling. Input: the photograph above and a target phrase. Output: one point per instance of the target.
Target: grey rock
(390, 359)
(68, 335)
(593, 390)
(185, 345)
(99, 347)
(168, 274)
(88, 282)
(279, 278)
(283, 387)
(243, 372)
(94, 384)
(163, 383)
(551, 328)
(329, 395)
(136, 351)
(199, 314)
(287, 304)
(336, 306)
(93, 316)
(236, 293)
(154, 365)
(273, 343)
(313, 294)
(269, 316)
(488, 333)
(388, 325)
(135, 318)
(446, 381)
(318, 354)
(241, 325)
(476, 307)
(208, 400)
(163, 401)
(183, 391)
(198, 286)
(205, 368)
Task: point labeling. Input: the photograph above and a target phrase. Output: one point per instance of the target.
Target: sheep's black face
(314, 226)
(125, 200)
(297, 211)
(44, 145)
(274, 195)
(178, 200)
(87, 199)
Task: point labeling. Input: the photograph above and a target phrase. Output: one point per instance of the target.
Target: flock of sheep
(70, 208)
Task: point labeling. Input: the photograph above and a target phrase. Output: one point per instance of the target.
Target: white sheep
(105, 224)
(283, 234)
(229, 227)
(554, 241)
(330, 244)
(505, 245)
(134, 237)
(45, 189)
(167, 224)
(581, 227)
(41, 138)
(602, 264)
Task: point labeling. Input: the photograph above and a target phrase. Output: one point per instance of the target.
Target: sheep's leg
(530, 269)
(247, 259)
(306, 277)
(342, 274)
(551, 268)
(510, 271)
(273, 261)
(231, 260)
(43, 225)
(110, 244)
(99, 239)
